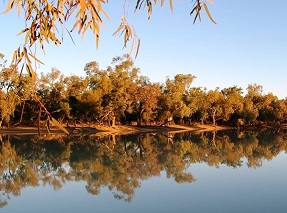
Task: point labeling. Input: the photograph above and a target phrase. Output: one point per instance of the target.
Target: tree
(253, 101)
(52, 91)
(124, 77)
(75, 87)
(233, 103)
(198, 104)
(216, 100)
(174, 93)
(8, 103)
(271, 109)
(9, 87)
(99, 85)
(145, 102)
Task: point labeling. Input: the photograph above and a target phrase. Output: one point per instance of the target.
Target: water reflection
(121, 163)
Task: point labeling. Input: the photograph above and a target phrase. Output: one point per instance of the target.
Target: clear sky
(247, 45)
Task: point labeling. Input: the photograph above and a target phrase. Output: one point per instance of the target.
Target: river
(226, 171)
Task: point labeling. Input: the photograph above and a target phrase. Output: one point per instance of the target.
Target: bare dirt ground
(102, 130)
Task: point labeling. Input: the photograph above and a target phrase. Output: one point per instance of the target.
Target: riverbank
(101, 130)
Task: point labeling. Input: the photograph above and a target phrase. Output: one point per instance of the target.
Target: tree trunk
(113, 122)
(214, 117)
(140, 115)
(22, 112)
(39, 118)
(202, 121)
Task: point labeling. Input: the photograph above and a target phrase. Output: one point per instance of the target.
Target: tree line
(119, 94)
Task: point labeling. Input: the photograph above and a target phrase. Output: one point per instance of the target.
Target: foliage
(120, 95)
(44, 19)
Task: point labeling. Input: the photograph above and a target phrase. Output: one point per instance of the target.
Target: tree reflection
(121, 163)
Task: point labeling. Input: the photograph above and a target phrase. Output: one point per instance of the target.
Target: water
(222, 172)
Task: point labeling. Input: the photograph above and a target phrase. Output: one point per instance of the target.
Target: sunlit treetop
(45, 22)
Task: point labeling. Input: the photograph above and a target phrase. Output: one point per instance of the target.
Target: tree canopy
(119, 94)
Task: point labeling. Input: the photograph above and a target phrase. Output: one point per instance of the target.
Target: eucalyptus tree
(16, 91)
(253, 100)
(9, 86)
(98, 84)
(284, 109)
(216, 105)
(28, 106)
(254, 92)
(233, 104)
(123, 82)
(74, 88)
(75, 85)
(52, 91)
(271, 109)
(145, 103)
(8, 103)
(249, 113)
(196, 100)
(174, 92)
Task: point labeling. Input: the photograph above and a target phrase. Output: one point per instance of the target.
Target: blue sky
(247, 45)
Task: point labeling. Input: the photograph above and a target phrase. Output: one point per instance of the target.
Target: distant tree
(9, 87)
(254, 91)
(145, 102)
(198, 104)
(51, 89)
(99, 85)
(174, 92)
(271, 109)
(233, 103)
(249, 113)
(8, 103)
(75, 87)
(124, 78)
(216, 105)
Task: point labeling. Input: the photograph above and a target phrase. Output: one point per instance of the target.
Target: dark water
(206, 172)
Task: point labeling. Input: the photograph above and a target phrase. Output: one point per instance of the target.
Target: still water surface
(222, 172)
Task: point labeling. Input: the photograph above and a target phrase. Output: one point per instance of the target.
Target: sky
(248, 44)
